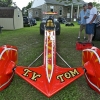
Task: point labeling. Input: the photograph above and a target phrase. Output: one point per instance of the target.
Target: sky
(22, 3)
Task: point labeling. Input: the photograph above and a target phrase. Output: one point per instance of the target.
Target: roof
(55, 2)
(38, 3)
(7, 12)
(7, 8)
(10, 8)
(65, 2)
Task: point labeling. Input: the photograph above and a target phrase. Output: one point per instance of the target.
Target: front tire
(42, 30)
(57, 28)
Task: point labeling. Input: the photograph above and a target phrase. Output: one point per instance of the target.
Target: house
(67, 10)
(11, 18)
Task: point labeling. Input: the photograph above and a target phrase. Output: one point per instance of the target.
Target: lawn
(30, 45)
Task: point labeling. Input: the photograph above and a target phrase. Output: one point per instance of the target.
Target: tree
(25, 9)
(29, 5)
(5, 3)
(97, 5)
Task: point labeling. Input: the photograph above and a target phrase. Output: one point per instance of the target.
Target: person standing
(83, 13)
(90, 22)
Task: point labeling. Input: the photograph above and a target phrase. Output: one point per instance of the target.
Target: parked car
(62, 20)
(26, 21)
(33, 21)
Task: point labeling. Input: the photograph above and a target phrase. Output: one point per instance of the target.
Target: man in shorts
(83, 13)
(90, 22)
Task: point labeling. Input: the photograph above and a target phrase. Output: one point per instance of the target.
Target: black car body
(26, 21)
(33, 21)
(43, 23)
(62, 20)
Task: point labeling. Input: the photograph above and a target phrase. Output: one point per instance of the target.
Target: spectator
(90, 22)
(83, 13)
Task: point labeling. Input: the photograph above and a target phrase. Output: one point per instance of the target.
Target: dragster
(49, 78)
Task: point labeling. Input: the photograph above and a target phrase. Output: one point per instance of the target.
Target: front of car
(33, 21)
(26, 21)
(56, 23)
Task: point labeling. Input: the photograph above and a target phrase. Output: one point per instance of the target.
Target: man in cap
(82, 14)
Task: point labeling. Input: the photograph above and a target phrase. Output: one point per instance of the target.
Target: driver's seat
(49, 23)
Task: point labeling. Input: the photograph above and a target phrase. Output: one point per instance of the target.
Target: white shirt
(93, 11)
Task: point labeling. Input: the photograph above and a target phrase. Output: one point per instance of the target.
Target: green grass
(30, 45)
